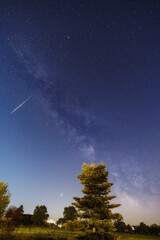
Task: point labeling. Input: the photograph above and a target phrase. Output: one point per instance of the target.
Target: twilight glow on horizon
(80, 82)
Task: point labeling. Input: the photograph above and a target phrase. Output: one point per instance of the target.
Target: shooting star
(20, 105)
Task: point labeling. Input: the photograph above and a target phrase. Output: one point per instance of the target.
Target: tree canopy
(15, 214)
(4, 197)
(94, 208)
(69, 213)
(120, 225)
(40, 215)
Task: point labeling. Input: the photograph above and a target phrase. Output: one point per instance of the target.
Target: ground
(26, 233)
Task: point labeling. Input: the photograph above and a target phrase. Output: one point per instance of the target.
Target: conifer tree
(94, 210)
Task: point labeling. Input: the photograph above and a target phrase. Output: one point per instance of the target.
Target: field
(29, 233)
(126, 236)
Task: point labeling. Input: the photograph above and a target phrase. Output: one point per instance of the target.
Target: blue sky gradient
(92, 71)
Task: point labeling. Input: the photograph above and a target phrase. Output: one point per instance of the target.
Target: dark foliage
(69, 213)
(40, 215)
(27, 219)
(120, 226)
(15, 214)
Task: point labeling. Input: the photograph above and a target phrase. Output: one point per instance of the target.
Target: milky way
(93, 68)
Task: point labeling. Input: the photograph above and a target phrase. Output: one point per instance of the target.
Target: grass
(29, 233)
(129, 236)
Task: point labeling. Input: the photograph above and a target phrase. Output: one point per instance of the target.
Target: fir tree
(94, 209)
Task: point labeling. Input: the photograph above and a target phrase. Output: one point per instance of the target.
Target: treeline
(92, 213)
(38, 218)
(17, 216)
(14, 217)
(142, 228)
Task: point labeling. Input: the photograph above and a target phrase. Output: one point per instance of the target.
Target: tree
(61, 221)
(129, 228)
(94, 208)
(70, 213)
(15, 214)
(40, 215)
(14, 218)
(120, 225)
(143, 228)
(4, 197)
(155, 229)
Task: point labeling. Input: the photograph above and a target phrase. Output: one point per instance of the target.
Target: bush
(8, 227)
(96, 236)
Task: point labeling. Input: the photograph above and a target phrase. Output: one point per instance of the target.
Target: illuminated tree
(94, 209)
(4, 197)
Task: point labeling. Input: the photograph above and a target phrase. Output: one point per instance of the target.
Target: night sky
(89, 72)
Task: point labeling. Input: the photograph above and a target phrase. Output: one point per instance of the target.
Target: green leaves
(15, 214)
(40, 215)
(94, 208)
(69, 213)
(4, 197)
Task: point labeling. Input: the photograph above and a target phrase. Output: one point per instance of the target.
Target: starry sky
(89, 73)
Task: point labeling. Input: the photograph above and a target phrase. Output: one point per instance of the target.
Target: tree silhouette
(40, 215)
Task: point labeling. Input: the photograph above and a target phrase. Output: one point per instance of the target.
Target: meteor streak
(20, 105)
